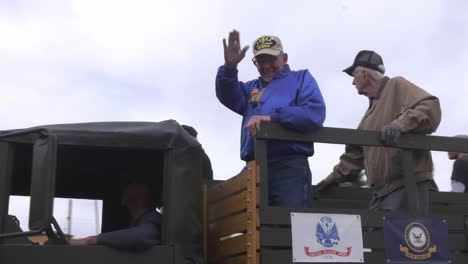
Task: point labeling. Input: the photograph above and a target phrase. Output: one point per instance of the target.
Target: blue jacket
(143, 233)
(292, 99)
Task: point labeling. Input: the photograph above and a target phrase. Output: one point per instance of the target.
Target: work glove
(327, 183)
(390, 134)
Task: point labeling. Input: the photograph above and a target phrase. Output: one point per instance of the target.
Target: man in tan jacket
(396, 106)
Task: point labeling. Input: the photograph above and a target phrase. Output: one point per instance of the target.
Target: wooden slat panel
(233, 204)
(232, 246)
(228, 226)
(242, 259)
(255, 171)
(233, 209)
(257, 195)
(227, 188)
(258, 240)
(232, 224)
(253, 237)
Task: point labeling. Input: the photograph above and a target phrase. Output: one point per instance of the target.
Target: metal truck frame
(262, 234)
(238, 225)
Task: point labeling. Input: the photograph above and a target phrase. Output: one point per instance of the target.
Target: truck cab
(95, 161)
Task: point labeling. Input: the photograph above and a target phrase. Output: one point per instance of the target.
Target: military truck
(204, 220)
(93, 161)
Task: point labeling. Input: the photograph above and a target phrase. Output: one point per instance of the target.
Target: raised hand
(232, 51)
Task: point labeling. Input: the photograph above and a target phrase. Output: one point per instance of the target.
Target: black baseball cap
(368, 59)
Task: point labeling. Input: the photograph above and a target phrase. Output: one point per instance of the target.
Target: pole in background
(96, 214)
(69, 217)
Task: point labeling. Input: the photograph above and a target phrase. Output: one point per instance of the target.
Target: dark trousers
(289, 182)
(397, 200)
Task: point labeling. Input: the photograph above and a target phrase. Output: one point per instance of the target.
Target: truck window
(76, 217)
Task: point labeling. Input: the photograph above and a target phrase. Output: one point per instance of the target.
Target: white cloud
(83, 60)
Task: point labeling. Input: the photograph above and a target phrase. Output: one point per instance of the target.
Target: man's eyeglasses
(264, 59)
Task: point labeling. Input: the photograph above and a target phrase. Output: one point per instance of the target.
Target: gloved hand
(390, 134)
(327, 183)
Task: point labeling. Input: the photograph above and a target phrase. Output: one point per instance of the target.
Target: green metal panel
(43, 182)
(6, 166)
(372, 238)
(363, 137)
(12, 254)
(282, 216)
(269, 256)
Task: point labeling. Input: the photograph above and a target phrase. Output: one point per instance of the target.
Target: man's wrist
(230, 66)
(92, 240)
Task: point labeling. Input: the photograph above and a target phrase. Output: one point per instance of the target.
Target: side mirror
(43, 182)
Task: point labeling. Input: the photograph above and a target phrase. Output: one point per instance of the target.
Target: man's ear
(285, 56)
(365, 75)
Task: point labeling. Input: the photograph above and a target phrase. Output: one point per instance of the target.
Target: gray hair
(373, 74)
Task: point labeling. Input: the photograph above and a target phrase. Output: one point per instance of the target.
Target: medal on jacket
(255, 96)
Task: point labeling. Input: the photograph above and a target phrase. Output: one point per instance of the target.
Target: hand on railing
(327, 183)
(390, 134)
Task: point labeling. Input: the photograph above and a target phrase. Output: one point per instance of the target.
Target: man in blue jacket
(290, 98)
(144, 230)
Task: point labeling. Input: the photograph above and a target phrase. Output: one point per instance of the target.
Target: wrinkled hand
(327, 183)
(232, 52)
(390, 134)
(91, 240)
(253, 126)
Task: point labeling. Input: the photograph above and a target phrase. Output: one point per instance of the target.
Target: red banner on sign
(327, 252)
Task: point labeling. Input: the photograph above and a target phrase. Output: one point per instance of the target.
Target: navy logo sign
(412, 240)
(418, 241)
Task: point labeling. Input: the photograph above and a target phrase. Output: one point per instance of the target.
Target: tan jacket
(416, 111)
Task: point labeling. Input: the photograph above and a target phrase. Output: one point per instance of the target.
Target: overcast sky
(101, 60)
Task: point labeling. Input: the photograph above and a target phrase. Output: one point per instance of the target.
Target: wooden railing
(231, 219)
(227, 218)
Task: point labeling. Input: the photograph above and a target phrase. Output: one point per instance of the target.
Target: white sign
(326, 238)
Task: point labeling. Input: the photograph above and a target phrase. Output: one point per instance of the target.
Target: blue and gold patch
(265, 42)
(418, 242)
